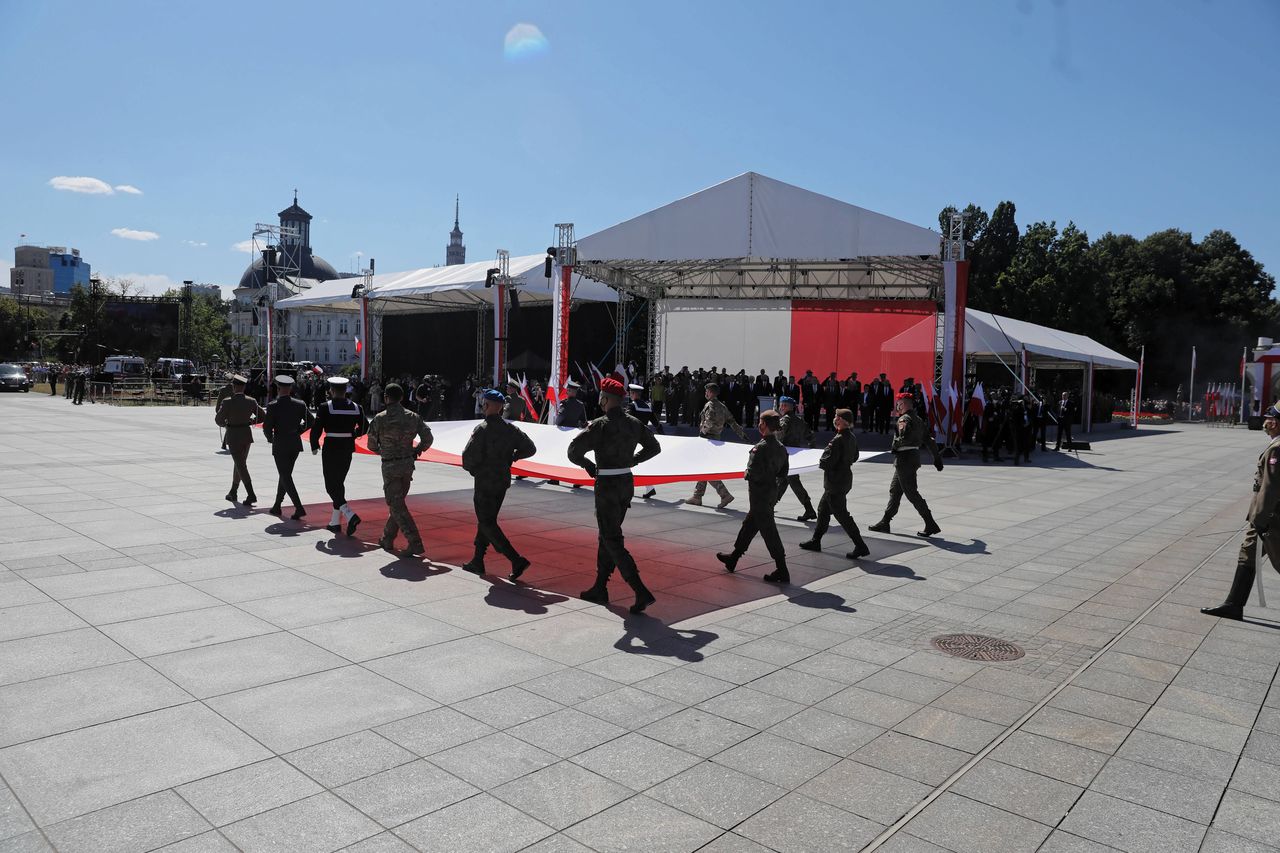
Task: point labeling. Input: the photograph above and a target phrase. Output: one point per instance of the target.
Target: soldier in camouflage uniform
(493, 446)
(613, 439)
(715, 417)
(766, 477)
(391, 435)
(794, 432)
(910, 437)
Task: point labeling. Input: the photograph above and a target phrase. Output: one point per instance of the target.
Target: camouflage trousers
(397, 476)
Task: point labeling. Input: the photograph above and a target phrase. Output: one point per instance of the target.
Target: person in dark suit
(831, 391)
(287, 419)
(837, 480)
(1066, 415)
(851, 396)
(780, 384)
(811, 399)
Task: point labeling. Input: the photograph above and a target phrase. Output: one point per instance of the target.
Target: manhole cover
(977, 647)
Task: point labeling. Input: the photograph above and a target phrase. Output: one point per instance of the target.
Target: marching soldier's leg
(605, 521)
(620, 491)
(820, 528)
(699, 489)
(1242, 583)
(840, 509)
(911, 489)
(725, 496)
(390, 485)
(895, 500)
(773, 542)
(798, 487)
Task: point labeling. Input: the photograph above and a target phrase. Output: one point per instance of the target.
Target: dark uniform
(571, 413)
(515, 408)
(1066, 417)
(766, 476)
(493, 446)
(911, 437)
(391, 435)
(795, 432)
(342, 422)
(235, 415)
(837, 480)
(286, 419)
(1263, 526)
(613, 439)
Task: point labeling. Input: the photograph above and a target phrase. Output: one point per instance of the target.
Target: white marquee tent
(449, 288)
(988, 335)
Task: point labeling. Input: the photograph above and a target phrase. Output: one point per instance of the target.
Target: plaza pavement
(179, 674)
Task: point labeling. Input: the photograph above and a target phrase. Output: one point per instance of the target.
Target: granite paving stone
(289, 715)
(227, 667)
(1128, 826)
(246, 791)
(434, 731)
(917, 759)
(563, 794)
(492, 760)
(1040, 798)
(1250, 817)
(797, 824)
(142, 824)
(320, 823)
(968, 826)
(67, 775)
(51, 654)
(403, 793)
(481, 824)
(662, 828)
(870, 792)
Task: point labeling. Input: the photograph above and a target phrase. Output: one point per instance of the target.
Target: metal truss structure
(280, 248)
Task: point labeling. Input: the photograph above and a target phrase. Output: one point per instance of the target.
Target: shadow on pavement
(646, 635)
(411, 570)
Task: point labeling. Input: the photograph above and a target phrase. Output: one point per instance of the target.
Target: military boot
(779, 574)
(881, 526)
(643, 597)
(730, 560)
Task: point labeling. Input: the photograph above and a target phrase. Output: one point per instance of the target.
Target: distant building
(318, 336)
(47, 270)
(455, 252)
(206, 290)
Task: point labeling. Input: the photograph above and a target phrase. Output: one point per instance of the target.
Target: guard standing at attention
(910, 436)
(571, 412)
(766, 477)
(837, 480)
(514, 409)
(391, 435)
(235, 415)
(342, 421)
(1263, 524)
(613, 439)
(494, 444)
(715, 417)
(287, 419)
(795, 432)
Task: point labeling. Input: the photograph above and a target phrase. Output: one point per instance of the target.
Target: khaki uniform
(235, 415)
(391, 435)
(911, 436)
(714, 418)
(1263, 525)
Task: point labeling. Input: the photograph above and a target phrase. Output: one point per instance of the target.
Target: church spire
(457, 201)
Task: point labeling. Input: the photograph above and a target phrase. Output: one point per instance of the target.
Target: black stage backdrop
(444, 343)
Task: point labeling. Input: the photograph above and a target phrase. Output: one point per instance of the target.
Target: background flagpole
(1191, 388)
(1244, 357)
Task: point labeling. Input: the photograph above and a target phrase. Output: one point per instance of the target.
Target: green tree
(210, 327)
(993, 251)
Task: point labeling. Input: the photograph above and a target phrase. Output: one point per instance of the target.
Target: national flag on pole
(977, 402)
(620, 371)
(358, 345)
(598, 377)
(953, 412)
(931, 409)
(528, 398)
(1137, 388)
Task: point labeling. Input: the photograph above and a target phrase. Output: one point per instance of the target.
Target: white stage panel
(734, 334)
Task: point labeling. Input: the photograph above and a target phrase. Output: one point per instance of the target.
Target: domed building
(322, 337)
(295, 222)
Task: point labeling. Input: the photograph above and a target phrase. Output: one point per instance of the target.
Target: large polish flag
(683, 458)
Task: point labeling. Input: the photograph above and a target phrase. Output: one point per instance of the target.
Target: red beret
(906, 396)
(609, 385)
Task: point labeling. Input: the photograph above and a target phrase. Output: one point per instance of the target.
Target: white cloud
(89, 186)
(128, 188)
(132, 234)
(245, 246)
(524, 41)
(200, 244)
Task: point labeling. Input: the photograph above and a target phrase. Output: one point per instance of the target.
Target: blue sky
(1125, 116)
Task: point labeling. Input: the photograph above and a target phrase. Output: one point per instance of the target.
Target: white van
(172, 368)
(124, 367)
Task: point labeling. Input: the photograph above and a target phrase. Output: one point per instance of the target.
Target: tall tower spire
(455, 252)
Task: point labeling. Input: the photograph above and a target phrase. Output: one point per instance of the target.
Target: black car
(13, 377)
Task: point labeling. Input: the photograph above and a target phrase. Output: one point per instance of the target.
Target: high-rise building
(455, 252)
(47, 270)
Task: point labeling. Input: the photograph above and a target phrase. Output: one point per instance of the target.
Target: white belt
(338, 434)
(611, 472)
(912, 447)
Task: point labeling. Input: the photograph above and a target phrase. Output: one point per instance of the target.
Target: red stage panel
(847, 336)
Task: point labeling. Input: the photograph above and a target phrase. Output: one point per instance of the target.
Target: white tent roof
(442, 288)
(991, 336)
(780, 240)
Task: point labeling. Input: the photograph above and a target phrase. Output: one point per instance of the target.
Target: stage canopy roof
(757, 238)
(995, 338)
(449, 288)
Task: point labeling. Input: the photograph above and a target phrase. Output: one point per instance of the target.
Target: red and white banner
(683, 458)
